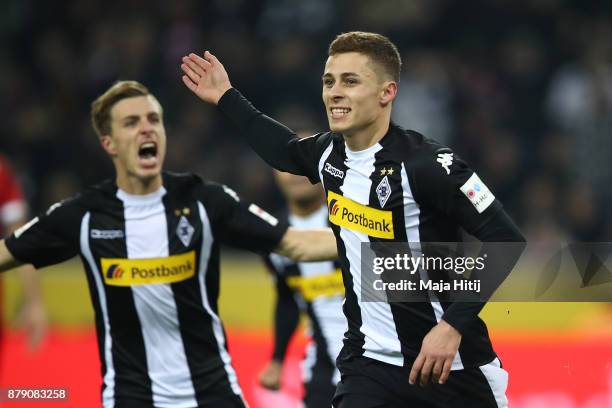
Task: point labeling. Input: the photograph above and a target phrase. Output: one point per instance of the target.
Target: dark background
(521, 89)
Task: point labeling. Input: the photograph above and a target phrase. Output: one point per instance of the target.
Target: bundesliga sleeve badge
(478, 193)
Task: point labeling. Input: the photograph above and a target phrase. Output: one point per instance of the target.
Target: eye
(154, 119)
(130, 123)
(351, 81)
(328, 82)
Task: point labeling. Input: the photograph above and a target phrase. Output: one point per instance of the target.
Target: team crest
(184, 231)
(383, 191)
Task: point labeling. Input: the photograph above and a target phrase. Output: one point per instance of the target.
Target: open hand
(205, 76)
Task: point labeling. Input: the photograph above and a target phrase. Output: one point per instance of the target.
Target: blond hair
(101, 107)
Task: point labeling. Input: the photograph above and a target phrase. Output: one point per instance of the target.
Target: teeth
(340, 110)
(147, 145)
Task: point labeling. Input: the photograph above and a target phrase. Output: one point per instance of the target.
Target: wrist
(222, 93)
(449, 327)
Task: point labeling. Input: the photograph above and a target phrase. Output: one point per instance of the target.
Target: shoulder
(181, 182)
(420, 153)
(319, 141)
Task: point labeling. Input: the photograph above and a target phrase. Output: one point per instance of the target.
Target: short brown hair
(376, 46)
(101, 107)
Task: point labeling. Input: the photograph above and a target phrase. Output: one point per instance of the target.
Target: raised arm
(275, 143)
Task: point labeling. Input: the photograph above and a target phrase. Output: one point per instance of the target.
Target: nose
(335, 93)
(146, 126)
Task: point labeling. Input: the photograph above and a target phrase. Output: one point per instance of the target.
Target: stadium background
(521, 89)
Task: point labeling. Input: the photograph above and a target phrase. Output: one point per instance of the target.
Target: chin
(337, 127)
(148, 175)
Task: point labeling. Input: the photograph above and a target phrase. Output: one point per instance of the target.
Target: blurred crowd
(521, 89)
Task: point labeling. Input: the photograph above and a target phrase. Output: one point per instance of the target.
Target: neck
(136, 186)
(363, 138)
(303, 209)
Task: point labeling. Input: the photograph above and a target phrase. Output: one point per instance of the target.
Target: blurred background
(521, 89)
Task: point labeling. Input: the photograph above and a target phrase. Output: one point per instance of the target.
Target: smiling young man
(413, 190)
(149, 241)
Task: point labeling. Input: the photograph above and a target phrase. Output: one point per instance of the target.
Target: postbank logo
(147, 271)
(313, 287)
(346, 213)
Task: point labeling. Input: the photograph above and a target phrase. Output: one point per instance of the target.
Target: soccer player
(393, 185)
(13, 213)
(149, 241)
(315, 287)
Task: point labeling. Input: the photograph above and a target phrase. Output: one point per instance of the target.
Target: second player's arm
(308, 245)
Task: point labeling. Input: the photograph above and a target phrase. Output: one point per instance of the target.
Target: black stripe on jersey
(475, 348)
(99, 320)
(354, 339)
(319, 338)
(413, 320)
(132, 381)
(195, 324)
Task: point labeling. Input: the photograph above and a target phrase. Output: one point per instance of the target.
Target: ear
(388, 93)
(108, 144)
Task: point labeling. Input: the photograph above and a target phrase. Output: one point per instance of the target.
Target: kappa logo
(105, 234)
(114, 272)
(334, 171)
(445, 160)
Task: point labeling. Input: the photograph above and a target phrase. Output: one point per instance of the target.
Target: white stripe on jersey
(497, 378)
(146, 234)
(411, 221)
(108, 395)
(381, 338)
(207, 240)
(324, 157)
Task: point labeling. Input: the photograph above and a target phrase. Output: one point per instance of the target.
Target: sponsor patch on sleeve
(478, 193)
(261, 213)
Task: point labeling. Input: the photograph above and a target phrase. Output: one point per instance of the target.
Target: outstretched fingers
(193, 76)
(189, 83)
(203, 63)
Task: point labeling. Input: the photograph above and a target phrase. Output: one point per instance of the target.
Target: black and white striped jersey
(316, 288)
(152, 264)
(406, 188)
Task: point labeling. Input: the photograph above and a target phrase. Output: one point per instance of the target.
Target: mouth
(147, 154)
(339, 113)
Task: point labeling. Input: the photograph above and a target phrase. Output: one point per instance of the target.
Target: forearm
(501, 259)
(31, 284)
(267, 137)
(286, 318)
(308, 245)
